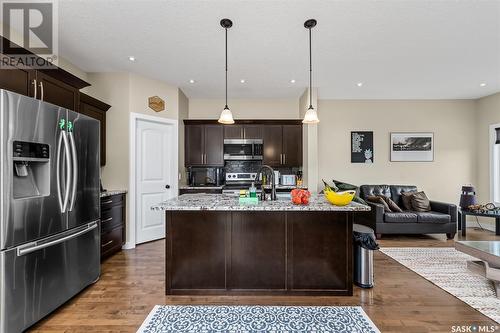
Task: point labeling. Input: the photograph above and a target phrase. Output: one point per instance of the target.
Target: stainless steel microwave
(243, 149)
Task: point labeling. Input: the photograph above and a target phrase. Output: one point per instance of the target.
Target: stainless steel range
(236, 181)
(49, 208)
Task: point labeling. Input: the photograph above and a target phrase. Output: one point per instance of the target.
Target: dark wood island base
(251, 252)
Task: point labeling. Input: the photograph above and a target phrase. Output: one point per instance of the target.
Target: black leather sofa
(441, 219)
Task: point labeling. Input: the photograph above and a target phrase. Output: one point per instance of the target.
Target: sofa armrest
(445, 208)
(377, 211)
(372, 217)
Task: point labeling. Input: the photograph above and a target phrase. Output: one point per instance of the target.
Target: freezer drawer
(39, 278)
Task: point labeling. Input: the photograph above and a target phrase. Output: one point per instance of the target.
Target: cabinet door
(252, 131)
(272, 144)
(233, 132)
(214, 145)
(194, 141)
(292, 145)
(93, 112)
(56, 92)
(17, 80)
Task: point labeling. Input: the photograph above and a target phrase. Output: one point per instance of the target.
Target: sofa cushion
(396, 191)
(403, 217)
(379, 199)
(420, 202)
(432, 217)
(406, 198)
(370, 190)
(392, 205)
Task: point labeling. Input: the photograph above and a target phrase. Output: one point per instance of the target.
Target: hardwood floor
(132, 282)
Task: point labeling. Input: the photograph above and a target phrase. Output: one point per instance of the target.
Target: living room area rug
(180, 318)
(447, 269)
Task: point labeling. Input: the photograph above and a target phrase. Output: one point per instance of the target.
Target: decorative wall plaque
(156, 103)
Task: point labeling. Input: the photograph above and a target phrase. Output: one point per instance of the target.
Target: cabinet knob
(167, 186)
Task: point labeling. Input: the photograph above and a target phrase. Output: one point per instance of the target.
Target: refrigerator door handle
(32, 247)
(68, 171)
(74, 170)
(58, 171)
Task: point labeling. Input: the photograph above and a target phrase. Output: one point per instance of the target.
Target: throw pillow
(378, 199)
(348, 187)
(420, 202)
(392, 205)
(406, 198)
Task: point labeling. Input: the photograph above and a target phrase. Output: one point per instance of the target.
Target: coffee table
(463, 213)
(488, 265)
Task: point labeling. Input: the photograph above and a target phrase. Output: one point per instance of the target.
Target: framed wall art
(412, 147)
(362, 147)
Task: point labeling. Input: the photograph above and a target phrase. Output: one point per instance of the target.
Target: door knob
(167, 186)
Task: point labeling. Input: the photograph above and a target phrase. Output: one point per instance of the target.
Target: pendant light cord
(226, 68)
(310, 69)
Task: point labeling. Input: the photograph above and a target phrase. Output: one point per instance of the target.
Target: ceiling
(412, 49)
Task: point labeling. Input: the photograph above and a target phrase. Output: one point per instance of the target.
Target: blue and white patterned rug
(176, 318)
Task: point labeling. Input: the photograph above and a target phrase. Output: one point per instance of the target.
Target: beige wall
(449, 120)
(245, 108)
(126, 93)
(183, 114)
(488, 113)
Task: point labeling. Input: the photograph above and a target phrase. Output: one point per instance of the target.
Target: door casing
(134, 118)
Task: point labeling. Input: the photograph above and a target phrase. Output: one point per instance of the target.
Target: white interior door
(155, 176)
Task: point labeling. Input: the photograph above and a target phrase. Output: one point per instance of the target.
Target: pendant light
(311, 116)
(226, 116)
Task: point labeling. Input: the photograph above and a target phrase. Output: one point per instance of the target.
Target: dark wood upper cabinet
(273, 145)
(214, 145)
(252, 132)
(96, 109)
(292, 145)
(243, 132)
(194, 144)
(233, 132)
(18, 80)
(53, 85)
(204, 141)
(57, 92)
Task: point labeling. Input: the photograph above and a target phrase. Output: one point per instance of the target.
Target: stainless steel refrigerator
(49, 208)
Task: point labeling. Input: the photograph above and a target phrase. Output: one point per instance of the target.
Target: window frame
(494, 165)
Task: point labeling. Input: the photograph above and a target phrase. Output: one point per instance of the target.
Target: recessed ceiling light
(192, 81)
(359, 84)
(131, 58)
(482, 84)
(242, 81)
(292, 81)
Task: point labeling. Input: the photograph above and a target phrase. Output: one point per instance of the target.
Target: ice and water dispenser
(31, 169)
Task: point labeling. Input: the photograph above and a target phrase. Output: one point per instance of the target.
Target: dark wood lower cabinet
(112, 224)
(258, 253)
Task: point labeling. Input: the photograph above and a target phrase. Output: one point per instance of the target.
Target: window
(495, 163)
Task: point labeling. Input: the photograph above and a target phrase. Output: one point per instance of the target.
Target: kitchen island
(215, 246)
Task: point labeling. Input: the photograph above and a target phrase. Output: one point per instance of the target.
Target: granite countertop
(221, 202)
(112, 192)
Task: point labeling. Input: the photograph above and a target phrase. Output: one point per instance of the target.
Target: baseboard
(128, 246)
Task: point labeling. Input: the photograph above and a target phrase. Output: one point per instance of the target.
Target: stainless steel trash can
(364, 244)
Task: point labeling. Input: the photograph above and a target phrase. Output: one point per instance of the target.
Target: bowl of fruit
(339, 198)
(300, 197)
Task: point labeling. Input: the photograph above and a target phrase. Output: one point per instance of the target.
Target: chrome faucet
(273, 186)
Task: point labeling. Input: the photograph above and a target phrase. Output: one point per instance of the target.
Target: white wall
(245, 108)
(488, 113)
(451, 121)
